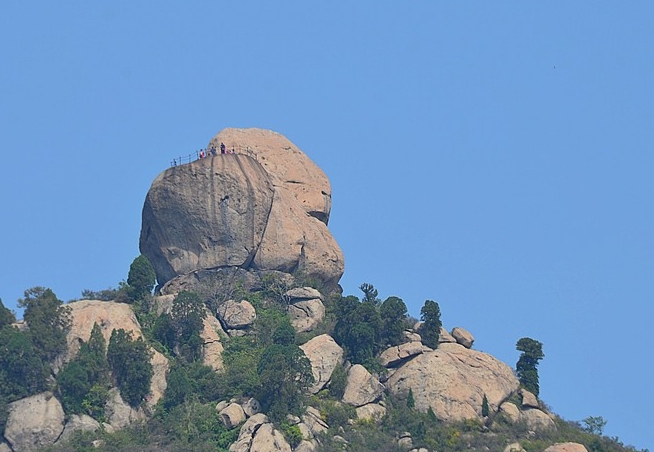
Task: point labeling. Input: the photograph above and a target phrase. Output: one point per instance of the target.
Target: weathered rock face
(371, 412)
(34, 422)
(265, 207)
(77, 423)
(566, 447)
(529, 400)
(119, 413)
(286, 163)
(237, 315)
(109, 316)
(232, 415)
(452, 380)
(362, 388)
(324, 354)
(398, 354)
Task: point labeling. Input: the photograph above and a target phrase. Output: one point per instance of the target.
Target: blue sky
(493, 156)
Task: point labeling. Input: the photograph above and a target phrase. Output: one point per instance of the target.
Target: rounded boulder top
(286, 164)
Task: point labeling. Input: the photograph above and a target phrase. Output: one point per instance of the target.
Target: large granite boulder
(34, 422)
(266, 207)
(109, 316)
(324, 354)
(453, 380)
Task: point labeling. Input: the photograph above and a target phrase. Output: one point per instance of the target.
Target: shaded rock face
(452, 380)
(264, 208)
(34, 422)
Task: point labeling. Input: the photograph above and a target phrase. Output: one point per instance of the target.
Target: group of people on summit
(213, 151)
(202, 154)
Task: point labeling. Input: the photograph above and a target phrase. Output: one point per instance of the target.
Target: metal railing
(182, 160)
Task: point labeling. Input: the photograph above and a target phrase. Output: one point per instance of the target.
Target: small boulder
(314, 421)
(324, 354)
(361, 388)
(236, 315)
(510, 411)
(242, 444)
(529, 400)
(305, 315)
(305, 446)
(445, 338)
(537, 420)
(371, 412)
(232, 415)
(514, 447)
(34, 422)
(268, 439)
(463, 337)
(395, 356)
(405, 441)
(251, 407)
(79, 423)
(411, 336)
(302, 293)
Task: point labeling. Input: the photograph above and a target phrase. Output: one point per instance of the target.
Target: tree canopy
(141, 278)
(430, 330)
(527, 365)
(48, 319)
(130, 364)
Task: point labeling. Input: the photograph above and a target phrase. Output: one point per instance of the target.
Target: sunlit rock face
(263, 207)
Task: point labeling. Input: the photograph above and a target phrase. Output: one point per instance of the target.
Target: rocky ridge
(250, 217)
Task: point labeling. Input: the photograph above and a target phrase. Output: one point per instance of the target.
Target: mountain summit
(259, 205)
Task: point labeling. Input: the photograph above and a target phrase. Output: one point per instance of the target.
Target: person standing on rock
(213, 150)
(201, 153)
(222, 148)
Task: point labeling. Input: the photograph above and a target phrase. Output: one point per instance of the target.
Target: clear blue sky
(495, 157)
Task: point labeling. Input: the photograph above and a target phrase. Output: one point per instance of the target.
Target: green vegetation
(265, 363)
(485, 409)
(48, 320)
(22, 370)
(141, 278)
(430, 330)
(84, 382)
(6, 316)
(130, 365)
(179, 331)
(284, 375)
(527, 365)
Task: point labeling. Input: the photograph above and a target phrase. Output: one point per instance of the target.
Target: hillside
(249, 344)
